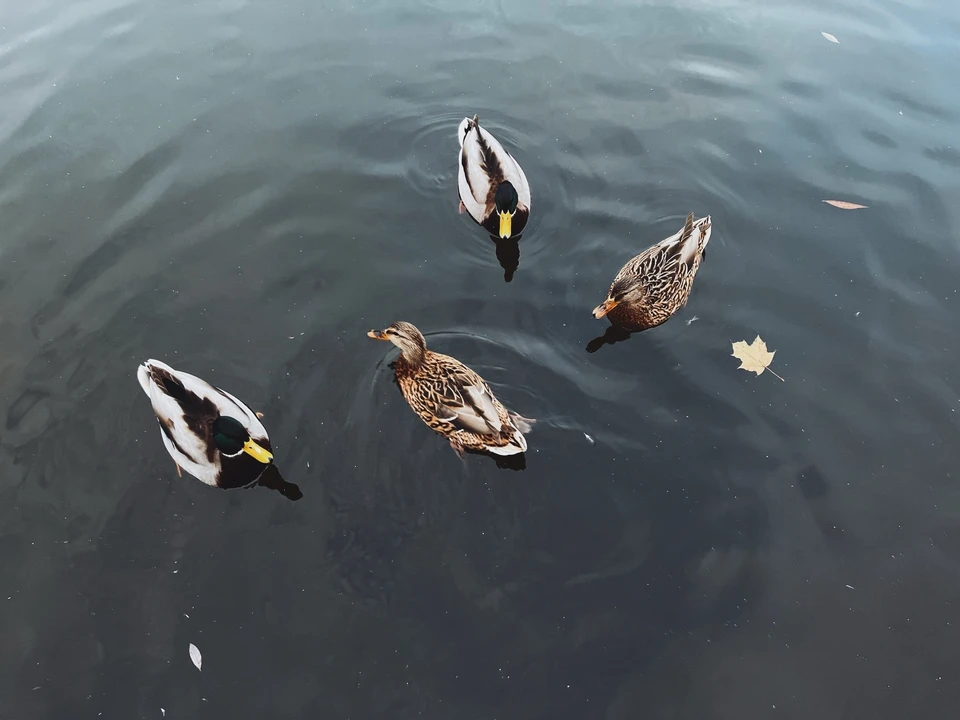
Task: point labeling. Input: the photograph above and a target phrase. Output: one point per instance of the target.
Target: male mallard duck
(207, 431)
(657, 282)
(493, 188)
(451, 398)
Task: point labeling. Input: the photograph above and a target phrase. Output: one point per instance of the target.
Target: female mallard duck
(207, 431)
(493, 188)
(451, 398)
(657, 282)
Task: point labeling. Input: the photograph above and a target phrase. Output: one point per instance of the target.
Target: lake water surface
(243, 189)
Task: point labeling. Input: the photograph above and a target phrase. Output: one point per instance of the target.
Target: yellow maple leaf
(754, 357)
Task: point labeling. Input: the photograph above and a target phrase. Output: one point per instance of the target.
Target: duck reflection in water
(508, 254)
(612, 335)
(273, 480)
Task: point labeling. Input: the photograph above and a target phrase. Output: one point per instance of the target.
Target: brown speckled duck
(650, 288)
(451, 398)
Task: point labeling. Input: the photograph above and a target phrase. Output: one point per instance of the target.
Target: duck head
(626, 291)
(232, 439)
(506, 200)
(405, 336)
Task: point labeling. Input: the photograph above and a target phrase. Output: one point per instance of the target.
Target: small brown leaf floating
(754, 357)
(844, 205)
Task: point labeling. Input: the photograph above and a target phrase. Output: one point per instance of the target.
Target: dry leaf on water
(754, 357)
(195, 656)
(831, 38)
(844, 205)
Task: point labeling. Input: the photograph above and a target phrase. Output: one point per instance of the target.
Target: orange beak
(377, 335)
(600, 310)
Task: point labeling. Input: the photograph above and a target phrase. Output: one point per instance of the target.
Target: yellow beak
(506, 224)
(601, 310)
(258, 453)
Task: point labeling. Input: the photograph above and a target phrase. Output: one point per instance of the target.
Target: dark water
(243, 189)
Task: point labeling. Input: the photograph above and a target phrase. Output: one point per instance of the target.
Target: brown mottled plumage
(451, 398)
(651, 287)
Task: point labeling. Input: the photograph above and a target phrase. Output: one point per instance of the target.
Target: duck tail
(148, 371)
(706, 225)
(466, 125)
(517, 442)
(143, 376)
(694, 238)
(516, 445)
(703, 230)
(524, 425)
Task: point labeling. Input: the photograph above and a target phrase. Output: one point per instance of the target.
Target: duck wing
(463, 399)
(173, 391)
